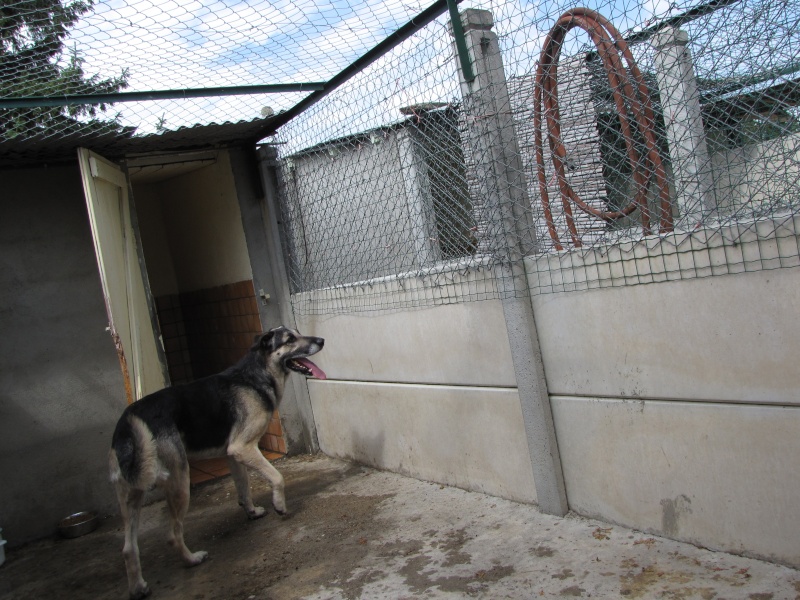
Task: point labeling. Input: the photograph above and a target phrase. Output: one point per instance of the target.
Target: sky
(193, 44)
(168, 44)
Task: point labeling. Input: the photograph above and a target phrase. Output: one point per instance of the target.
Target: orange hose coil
(610, 46)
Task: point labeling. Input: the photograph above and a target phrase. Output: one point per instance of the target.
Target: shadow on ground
(354, 532)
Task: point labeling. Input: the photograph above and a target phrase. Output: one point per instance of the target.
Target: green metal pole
(240, 90)
(461, 43)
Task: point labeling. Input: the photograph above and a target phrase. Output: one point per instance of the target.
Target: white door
(123, 275)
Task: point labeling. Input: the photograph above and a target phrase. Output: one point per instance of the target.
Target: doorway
(187, 215)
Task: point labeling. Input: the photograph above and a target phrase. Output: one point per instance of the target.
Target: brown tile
(274, 428)
(196, 476)
(212, 466)
(177, 373)
(172, 344)
(163, 303)
(166, 316)
(220, 468)
(169, 330)
(245, 324)
(188, 299)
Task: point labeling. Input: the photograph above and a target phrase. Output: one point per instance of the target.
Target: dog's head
(289, 350)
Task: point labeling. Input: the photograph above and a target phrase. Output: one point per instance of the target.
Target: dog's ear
(266, 341)
(269, 341)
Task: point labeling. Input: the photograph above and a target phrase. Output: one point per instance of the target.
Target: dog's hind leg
(130, 503)
(176, 488)
(251, 456)
(242, 480)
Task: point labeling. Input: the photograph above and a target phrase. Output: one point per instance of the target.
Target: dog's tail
(134, 454)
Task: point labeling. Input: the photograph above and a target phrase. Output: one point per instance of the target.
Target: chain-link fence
(615, 145)
(535, 147)
(166, 64)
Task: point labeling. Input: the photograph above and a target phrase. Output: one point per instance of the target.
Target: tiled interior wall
(207, 331)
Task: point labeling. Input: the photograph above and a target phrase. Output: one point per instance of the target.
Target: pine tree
(35, 62)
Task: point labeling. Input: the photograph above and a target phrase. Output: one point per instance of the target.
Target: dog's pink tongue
(315, 370)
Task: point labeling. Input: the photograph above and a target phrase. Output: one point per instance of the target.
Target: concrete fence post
(680, 102)
(495, 158)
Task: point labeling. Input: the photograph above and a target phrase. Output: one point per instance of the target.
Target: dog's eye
(290, 339)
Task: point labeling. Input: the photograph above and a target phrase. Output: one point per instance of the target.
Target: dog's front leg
(251, 457)
(242, 480)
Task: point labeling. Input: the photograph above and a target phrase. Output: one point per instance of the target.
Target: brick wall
(207, 331)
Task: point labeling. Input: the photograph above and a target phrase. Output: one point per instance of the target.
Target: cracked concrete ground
(355, 532)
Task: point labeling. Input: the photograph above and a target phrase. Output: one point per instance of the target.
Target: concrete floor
(356, 532)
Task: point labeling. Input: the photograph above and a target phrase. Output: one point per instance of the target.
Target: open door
(124, 279)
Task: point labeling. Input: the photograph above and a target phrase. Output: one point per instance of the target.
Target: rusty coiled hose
(610, 46)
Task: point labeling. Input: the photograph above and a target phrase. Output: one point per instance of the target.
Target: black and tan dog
(221, 415)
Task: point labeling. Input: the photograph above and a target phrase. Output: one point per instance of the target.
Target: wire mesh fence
(72, 47)
(544, 148)
(615, 145)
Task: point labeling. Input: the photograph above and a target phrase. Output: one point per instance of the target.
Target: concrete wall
(676, 404)
(677, 407)
(355, 191)
(61, 388)
(758, 176)
(429, 393)
(192, 230)
(716, 474)
(155, 240)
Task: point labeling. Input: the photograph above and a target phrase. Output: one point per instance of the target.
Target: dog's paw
(142, 590)
(256, 513)
(196, 558)
(279, 503)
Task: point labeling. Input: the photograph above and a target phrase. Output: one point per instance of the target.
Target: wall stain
(452, 547)
(543, 551)
(671, 511)
(563, 574)
(638, 585)
(573, 590)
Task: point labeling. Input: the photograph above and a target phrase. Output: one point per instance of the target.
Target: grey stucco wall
(61, 389)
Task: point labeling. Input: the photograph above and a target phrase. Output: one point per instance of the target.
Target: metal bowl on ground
(78, 524)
